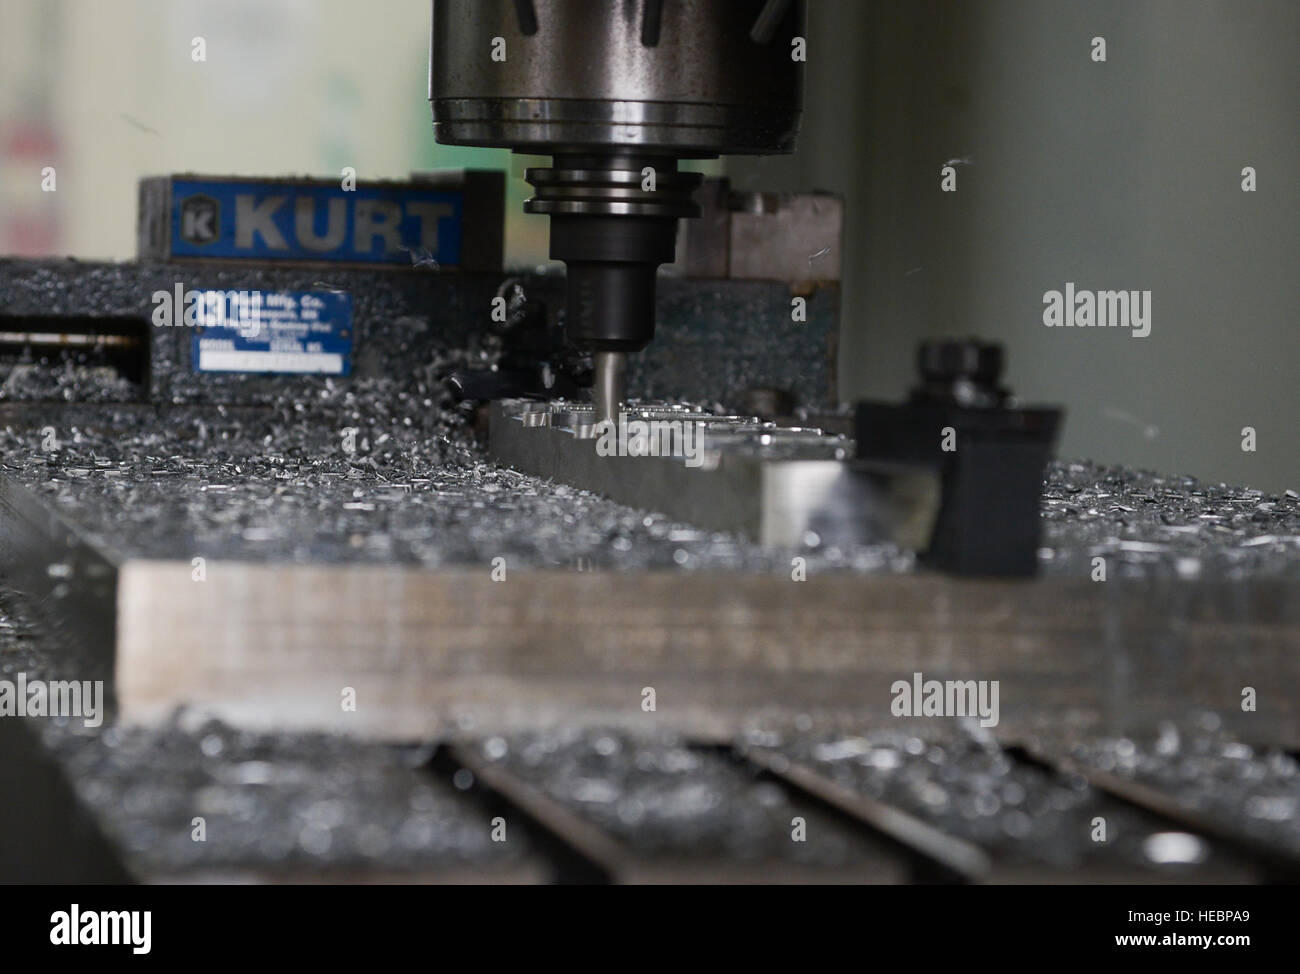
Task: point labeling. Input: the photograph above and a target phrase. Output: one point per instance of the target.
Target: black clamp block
(990, 454)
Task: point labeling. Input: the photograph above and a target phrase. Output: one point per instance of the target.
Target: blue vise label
(375, 224)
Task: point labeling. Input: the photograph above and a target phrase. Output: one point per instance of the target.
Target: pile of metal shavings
(66, 382)
(659, 797)
(1207, 771)
(1145, 524)
(965, 784)
(279, 483)
(287, 804)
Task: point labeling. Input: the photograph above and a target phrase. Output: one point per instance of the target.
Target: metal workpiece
(688, 78)
(777, 486)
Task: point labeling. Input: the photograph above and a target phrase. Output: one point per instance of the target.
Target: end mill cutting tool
(617, 94)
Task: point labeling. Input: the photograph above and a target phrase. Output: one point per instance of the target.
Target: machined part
(778, 486)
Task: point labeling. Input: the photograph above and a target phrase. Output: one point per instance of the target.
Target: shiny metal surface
(592, 75)
(613, 187)
(794, 237)
(777, 486)
(610, 386)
